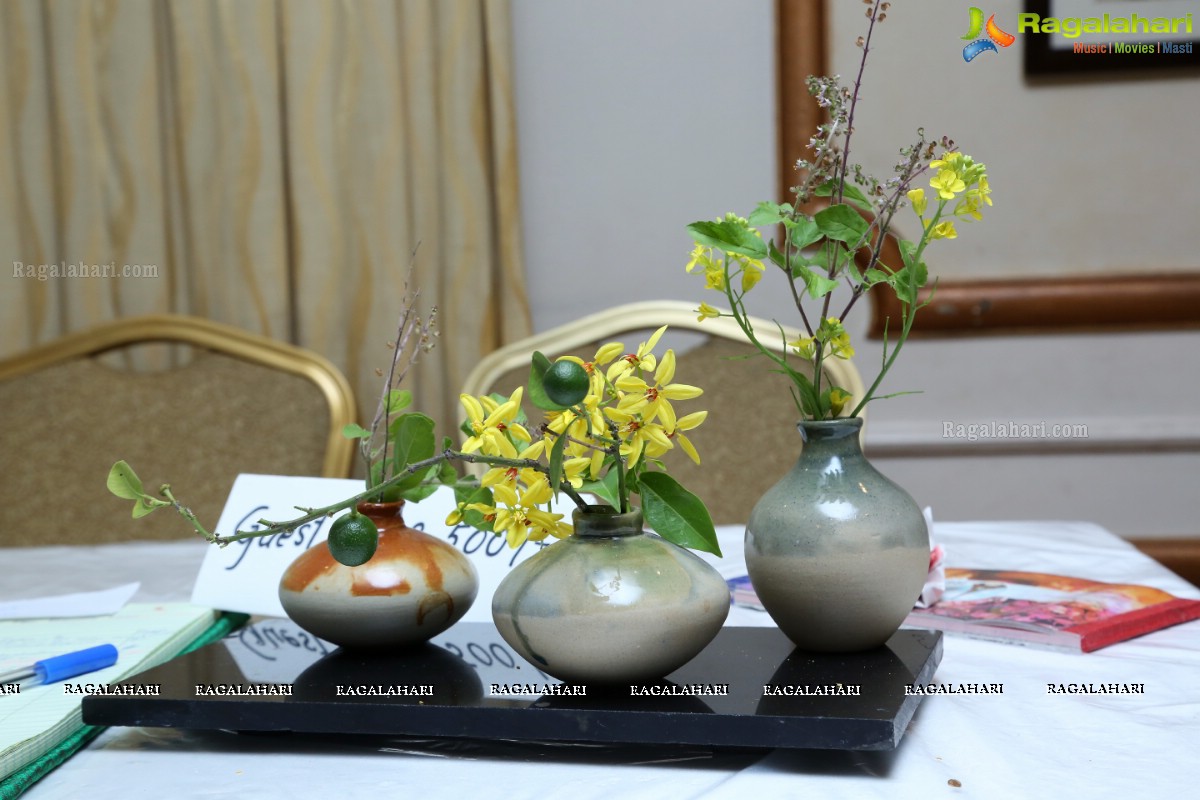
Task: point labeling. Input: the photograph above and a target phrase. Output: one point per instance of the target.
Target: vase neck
(604, 521)
(839, 436)
(384, 515)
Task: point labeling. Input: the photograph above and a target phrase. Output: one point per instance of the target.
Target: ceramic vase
(610, 604)
(412, 589)
(837, 552)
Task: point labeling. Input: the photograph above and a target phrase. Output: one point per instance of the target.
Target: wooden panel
(1051, 305)
(800, 49)
(1181, 556)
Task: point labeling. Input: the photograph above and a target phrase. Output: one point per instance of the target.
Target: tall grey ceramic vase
(610, 604)
(837, 553)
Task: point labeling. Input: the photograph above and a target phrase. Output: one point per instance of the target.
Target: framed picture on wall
(1096, 36)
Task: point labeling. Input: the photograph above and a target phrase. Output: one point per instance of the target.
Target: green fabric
(14, 785)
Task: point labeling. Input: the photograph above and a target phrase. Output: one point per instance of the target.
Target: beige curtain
(269, 164)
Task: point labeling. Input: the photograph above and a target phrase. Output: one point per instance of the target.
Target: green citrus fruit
(353, 539)
(566, 382)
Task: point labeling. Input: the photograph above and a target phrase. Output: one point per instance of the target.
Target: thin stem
(862, 65)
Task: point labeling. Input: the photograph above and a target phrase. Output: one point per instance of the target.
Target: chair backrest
(242, 403)
(748, 441)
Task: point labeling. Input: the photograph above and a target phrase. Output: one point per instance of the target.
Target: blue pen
(59, 668)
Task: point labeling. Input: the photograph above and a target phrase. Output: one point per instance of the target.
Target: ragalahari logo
(995, 36)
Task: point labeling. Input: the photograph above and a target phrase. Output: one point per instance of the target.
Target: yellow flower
(706, 312)
(971, 205)
(752, 272)
(949, 160)
(835, 338)
(714, 279)
(838, 398)
(491, 434)
(687, 423)
(701, 257)
(644, 359)
(638, 435)
(917, 198)
(944, 230)
(805, 347)
(947, 182)
(652, 400)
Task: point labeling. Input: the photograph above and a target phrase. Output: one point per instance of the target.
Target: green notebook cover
(25, 776)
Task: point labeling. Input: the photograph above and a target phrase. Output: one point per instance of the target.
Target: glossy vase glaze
(836, 552)
(413, 588)
(610, 604)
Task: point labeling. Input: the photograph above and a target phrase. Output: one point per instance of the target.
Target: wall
(637, 118)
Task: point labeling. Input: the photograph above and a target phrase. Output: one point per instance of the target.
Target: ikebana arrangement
(605, 427)
(836, 552)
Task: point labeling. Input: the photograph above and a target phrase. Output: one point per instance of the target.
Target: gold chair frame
(214, 336)
(648, 315)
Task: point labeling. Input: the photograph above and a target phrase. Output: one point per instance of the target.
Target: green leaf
(355, 431)
(803, 232)
(875, 276)
(605, 488)
(817, 284)
(418, 493)
(538, 366)
(850, 193)
(555, 467)
(676, 514)
(842, 223)
(398, 400)
(142, 507)
(730, 236)
(775, 255)
(124, 482)
(474, 494)
(766, 213)
(412, 439)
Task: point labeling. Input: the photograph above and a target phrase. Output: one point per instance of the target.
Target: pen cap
(77, 663)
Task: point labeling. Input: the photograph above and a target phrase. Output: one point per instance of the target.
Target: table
(1022, 743)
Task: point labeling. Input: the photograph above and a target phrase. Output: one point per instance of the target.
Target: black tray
(467, 683)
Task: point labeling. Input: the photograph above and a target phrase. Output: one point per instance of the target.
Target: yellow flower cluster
(734, 265)
(627, 411)
(956, 176)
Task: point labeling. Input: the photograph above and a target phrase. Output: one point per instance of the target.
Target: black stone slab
(468, 683)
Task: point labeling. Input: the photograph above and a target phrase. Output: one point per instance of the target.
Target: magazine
(1034, 608)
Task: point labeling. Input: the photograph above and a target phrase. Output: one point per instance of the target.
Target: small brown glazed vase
(412, 589)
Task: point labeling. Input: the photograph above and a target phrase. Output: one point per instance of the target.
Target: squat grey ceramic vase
(611, 604)
(412, 589)
(836, 552)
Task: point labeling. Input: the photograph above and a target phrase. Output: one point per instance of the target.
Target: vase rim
(838, 422)
(600, 520)
(389, 508)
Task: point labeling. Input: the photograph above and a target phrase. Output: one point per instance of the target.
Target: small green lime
(566, 382)
(353, 539)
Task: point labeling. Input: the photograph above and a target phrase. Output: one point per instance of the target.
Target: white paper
(244, 576)
(81, 604)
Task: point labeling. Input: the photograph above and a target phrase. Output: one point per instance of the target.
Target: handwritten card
(244, 576)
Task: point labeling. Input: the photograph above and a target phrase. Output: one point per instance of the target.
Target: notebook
(46, 719)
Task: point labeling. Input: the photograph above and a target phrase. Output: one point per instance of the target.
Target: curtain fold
(268, 164)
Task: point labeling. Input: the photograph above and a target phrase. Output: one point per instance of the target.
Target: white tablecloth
(1023, 743)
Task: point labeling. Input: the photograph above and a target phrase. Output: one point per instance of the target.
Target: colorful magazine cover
(1053, 610)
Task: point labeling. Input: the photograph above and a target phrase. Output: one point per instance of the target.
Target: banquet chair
(748, 440)
(228, 402)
